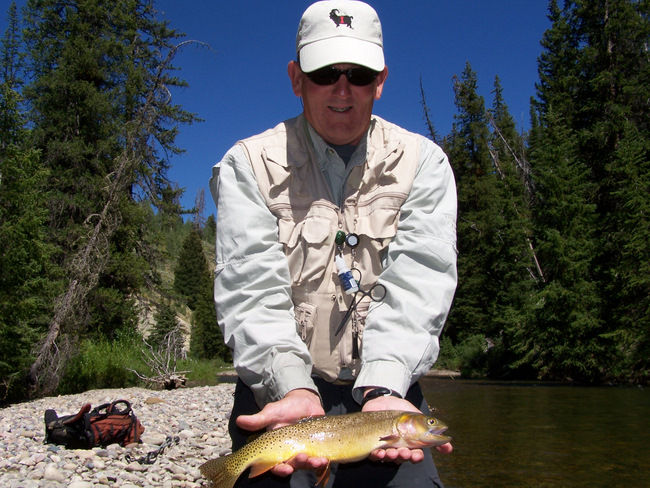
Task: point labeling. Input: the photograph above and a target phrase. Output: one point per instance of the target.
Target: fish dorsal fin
(253, 437)
(309, 419)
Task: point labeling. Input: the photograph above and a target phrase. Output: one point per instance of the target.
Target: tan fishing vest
(297, 193)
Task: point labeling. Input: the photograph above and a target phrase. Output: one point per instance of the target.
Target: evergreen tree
(509, 151)
(563, 340)
(494, 257)
(191, 275)
(210, 231)
(467, 147)
(558, 81)
(194, 282)
(207, 340)
(496, 264)
(519, 267)
(628, 286)
(101, 114)
(614, 137)
(592, 101)
(12, 122)
(28, 280)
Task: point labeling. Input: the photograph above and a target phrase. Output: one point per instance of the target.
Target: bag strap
(126, 411)
(77, 418)
(112, 408)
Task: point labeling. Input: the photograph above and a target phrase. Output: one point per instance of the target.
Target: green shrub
(104, 364)
(448, 356)
(203, 371)
(469, 356)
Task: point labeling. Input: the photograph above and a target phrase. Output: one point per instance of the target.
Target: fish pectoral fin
(323, 475)
(261, 467)
(389, 438)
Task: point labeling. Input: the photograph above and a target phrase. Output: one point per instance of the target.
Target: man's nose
(342, 86)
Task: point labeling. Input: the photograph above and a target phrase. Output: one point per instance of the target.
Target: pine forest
(96, 251)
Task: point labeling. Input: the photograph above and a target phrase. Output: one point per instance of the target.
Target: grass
(108, 364)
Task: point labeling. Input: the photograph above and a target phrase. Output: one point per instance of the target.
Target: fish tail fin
(220, 471)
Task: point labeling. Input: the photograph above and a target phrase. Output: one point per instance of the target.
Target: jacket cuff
(286, 379)
(389, 374)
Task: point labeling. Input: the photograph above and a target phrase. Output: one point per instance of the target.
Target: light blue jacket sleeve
(400, 338)
(252, 289)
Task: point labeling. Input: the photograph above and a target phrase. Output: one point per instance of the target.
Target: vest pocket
(307, 246)
(305, 314)
(378, 217)
(381, 225)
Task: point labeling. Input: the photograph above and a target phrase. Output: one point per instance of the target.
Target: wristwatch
(379, 392)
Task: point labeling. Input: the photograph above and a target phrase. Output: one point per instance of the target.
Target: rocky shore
(194, 419)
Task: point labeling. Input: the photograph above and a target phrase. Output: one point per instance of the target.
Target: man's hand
(402, 454)
(295, 405)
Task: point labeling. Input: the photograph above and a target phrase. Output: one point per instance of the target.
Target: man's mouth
(340, 109)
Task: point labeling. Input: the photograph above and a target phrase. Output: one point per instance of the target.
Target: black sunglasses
(329, 75)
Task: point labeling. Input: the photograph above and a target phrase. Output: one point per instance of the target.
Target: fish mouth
(438, 431)
(440, 438)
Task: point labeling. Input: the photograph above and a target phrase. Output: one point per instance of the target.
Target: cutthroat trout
(339, 438)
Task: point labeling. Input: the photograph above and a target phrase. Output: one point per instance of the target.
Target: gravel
(194, 421)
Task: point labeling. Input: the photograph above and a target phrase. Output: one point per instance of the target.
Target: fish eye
(431, 422)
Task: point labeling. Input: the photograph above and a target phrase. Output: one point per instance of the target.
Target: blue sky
(240, 86)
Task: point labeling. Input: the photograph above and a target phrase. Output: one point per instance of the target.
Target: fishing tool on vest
(376, 293)
(349, 284)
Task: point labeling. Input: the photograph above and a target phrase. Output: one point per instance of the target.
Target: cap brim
(338, 50)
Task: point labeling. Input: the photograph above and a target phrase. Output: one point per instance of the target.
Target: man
(298, 206)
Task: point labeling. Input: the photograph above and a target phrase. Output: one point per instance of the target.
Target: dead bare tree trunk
(427, 116)
(199, 206)
(162, 362)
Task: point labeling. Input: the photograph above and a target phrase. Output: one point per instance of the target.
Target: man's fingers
(300, 461)
(401, 455)
(445, 448)
(282, 469)
(267, 418)
(296, 404)
(253, 422)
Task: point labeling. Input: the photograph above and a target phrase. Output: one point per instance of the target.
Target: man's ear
(381, 79)
(296, 76)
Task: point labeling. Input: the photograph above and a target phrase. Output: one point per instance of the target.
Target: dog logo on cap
(340, 19)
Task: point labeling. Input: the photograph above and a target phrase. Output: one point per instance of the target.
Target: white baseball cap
(340, 31)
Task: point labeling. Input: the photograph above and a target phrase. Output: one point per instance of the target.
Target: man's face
(341, 112)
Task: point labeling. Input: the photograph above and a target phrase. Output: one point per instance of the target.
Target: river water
(538, 435)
